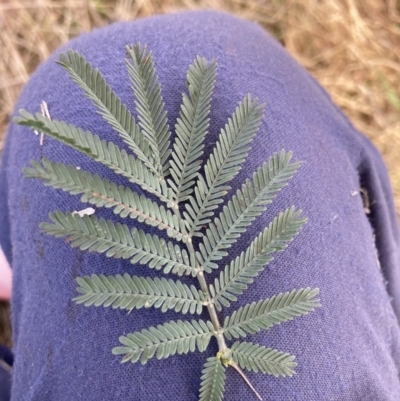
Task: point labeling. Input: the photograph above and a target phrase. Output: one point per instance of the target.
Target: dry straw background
(352, 47)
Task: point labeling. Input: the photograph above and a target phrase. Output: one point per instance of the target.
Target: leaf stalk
(240, 371)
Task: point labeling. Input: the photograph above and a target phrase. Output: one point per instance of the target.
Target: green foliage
(119, 241)
(129, 292)
(165, 340)
(236, 276)
(191, 128)
(104, 193)
(109, 105)
(265, 313)
(150, 106)
(223, 163)
(192, 194)
(254, 357)
(246, 205)
(212, 380)
(102, 151)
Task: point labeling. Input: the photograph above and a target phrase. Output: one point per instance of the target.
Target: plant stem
(210, 305)
(204, 287)
(219, 333)
(240, 371)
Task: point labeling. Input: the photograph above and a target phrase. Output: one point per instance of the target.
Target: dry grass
(5, 327)
(350, 46)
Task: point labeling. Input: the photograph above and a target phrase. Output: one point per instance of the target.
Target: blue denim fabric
(347, 350)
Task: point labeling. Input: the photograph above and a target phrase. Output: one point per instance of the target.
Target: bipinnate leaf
(101, 151)
(254, 357)
(240, 273)
(191, 128)
(178, 178)
(149, 104)
(264, 314)
(165, 340)
(119, 241)
(246, 205)
(108, 104)
(212, 380)
(130, 292)
(104, 193)
(223, 163)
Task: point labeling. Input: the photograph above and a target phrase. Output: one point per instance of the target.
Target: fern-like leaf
(108, 104)
(198, 194)
(104, 193)
(265, 313)
(254, 357)
(224, 163)
(149, 104)
(118, 241)
(239, 274)
(130, 292)
(168, 339)
(191, 128)
(246, 205)
(104, 152)
(212, 380)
